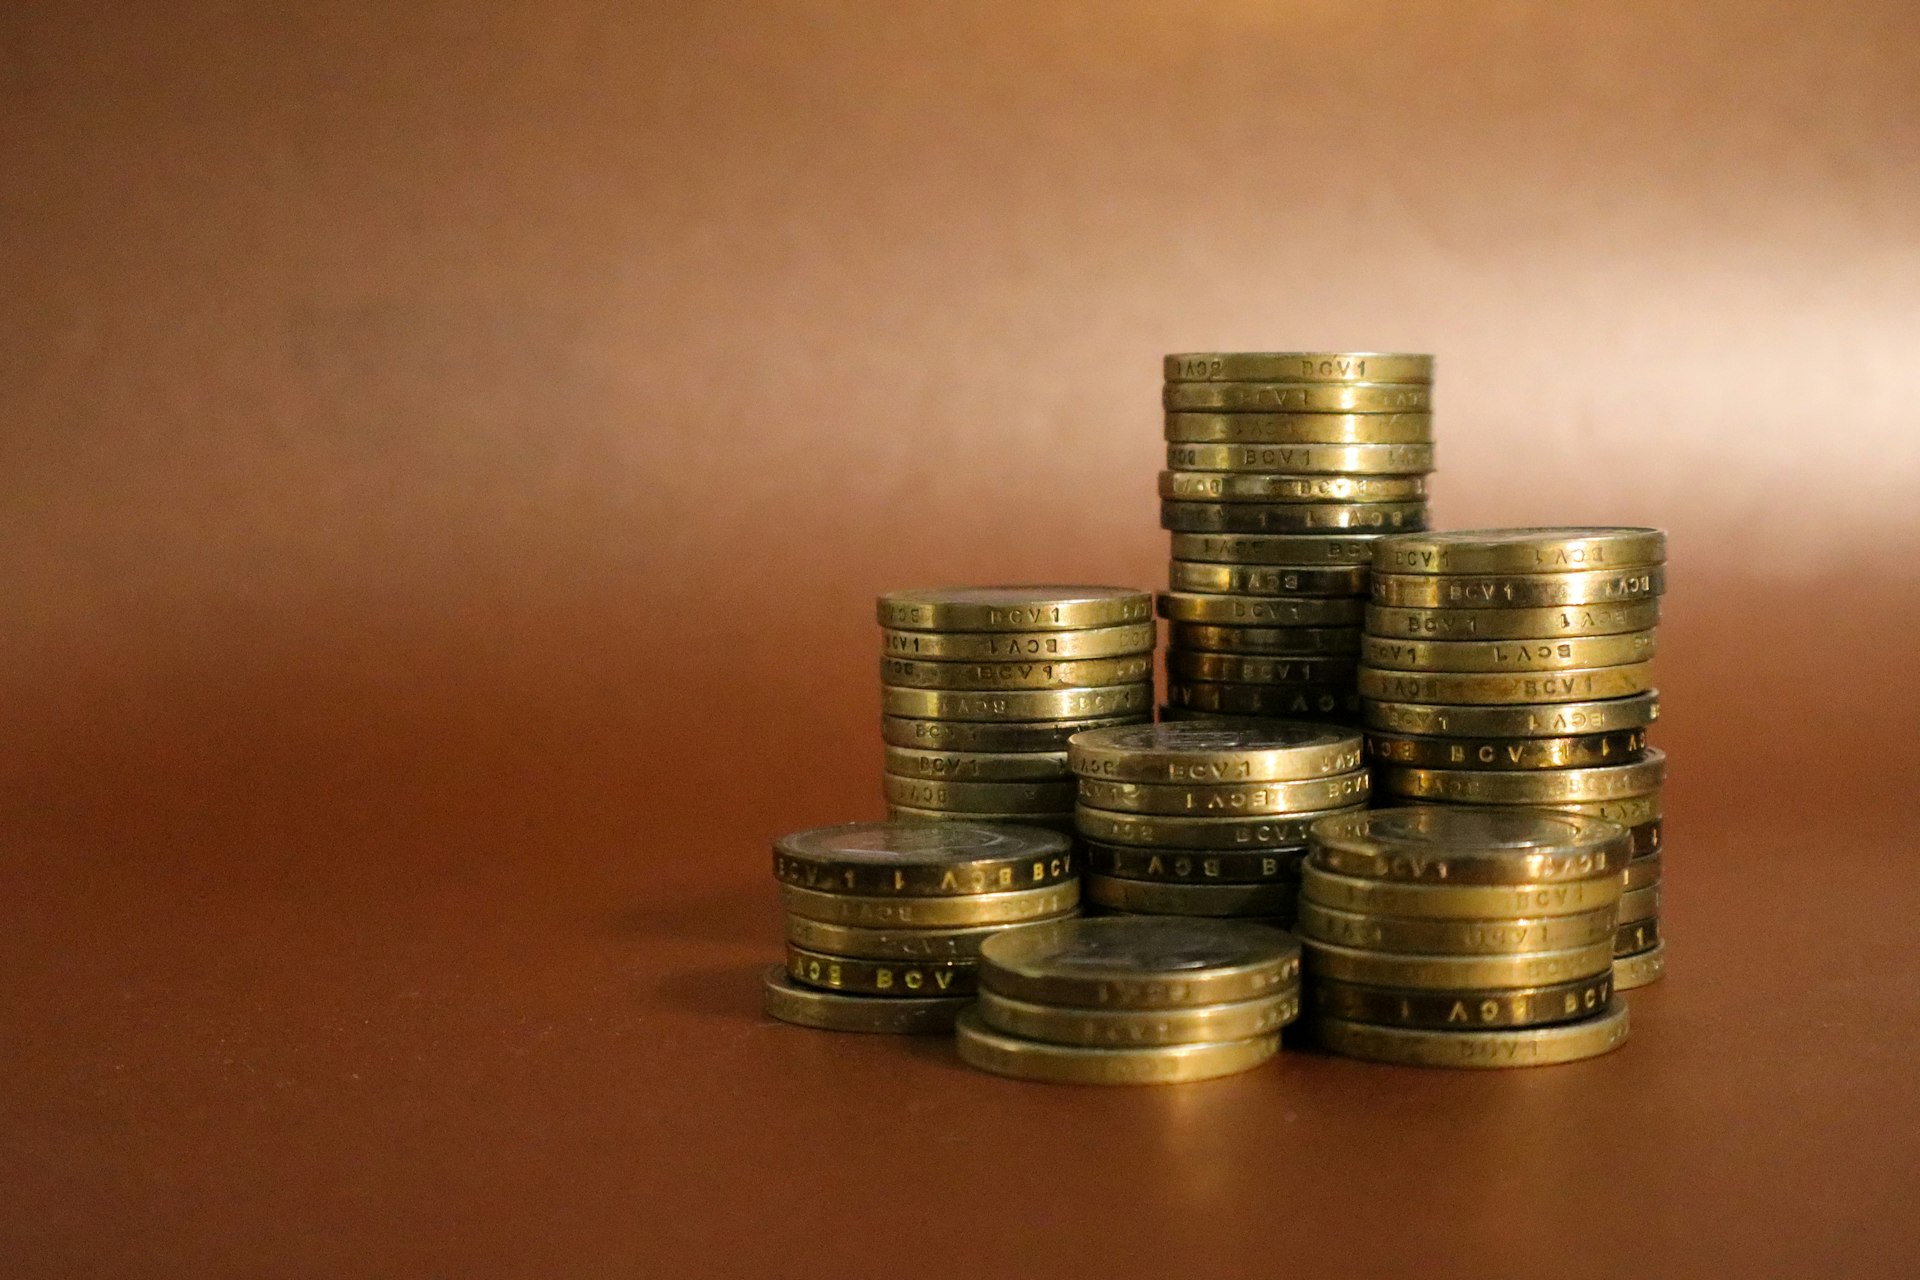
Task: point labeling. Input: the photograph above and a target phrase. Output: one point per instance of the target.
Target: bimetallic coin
(1302, 550)
(1449, 937)
(1272, 898)
(1572, 752)
(1193, 866)
(1018, 608)
(1646, 839)
(873, 911)
(1249, 486)
(1305, 701)
(1299, 428)
(1296, 472)
(1546, 720)
(788, 1001)
(1508, 655)
(1252, 668)
(1109, 1028)
(1266, 580)
(1456, 972)
(1512, 624)
(988, 736)
(1020, 673)
(977, 766)
(1516, 591)
(1632, 811)
(1529, 786)
(1140, 829)
(893, 944)
(1222, 799)
(891, 979)
(1017, 704)
(1464, 1010)
(1198, 753)
(1297, 397)
(1456, 844)
(1587, 684)
(1297, 366)
(1517, 1047)
(978, 797)
(1130, 962)
(1639, 970)
(1290, 517)
(1457, 901)
(882, 858)
(1183, 606)
(1009, 646)
(1062, 821)
(1502, 551)
(1270, 641)
(1639, 904)
(989, 1050)
(1636, 936)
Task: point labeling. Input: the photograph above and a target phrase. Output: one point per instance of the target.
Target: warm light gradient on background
(451, 450)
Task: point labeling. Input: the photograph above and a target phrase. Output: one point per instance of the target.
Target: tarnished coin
(1639, 904)
(1639, 970)
(1017, 608)
(1636, 936)
(1265, 487)
(1298, 550)
(1448, 937)
(1647, 838)
(1570, 752)
(1529, 786)
(1277, 472)
(962, 943)
(1198, 752)
(1198, 833)
(787, 1000)
(1457, 901)
(1556, 654)
(1512, 624)
(1290, 517)
(1183, 606)
(1612, 715)
(1017, 673)
(978, 797)
(1267, 579)
(1299, 428)
(1130, 962)
(1193, 866)
(1274, 641)
(991, 736)
(1062, 821)
(1467, 845)
(1585, 684)
(1297, 397)
(1008, 646)
(917, 860)
(989, 1050)
(1455, 972)
(1059, 1024)
(977, 766)
(890, 979)
(1297, 366)
(1017, 704)
(1464, 1010)
(1516, 1047)
(1266, 900)
(1255, 668)
(1223, 799)
(1525, 551)
(1640, 873)
(1517, 590)
(878, 911)
(1281, 701)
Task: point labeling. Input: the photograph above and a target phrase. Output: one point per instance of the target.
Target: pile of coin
(1463, 937)
(1283, 468)
(982, 686)
(1131, 1001)
(1513, 667)
(885, 920)
(1208, 817)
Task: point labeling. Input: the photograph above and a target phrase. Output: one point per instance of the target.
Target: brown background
(451, 451)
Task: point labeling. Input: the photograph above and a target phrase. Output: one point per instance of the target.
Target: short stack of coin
(1283, 468)
(1208, 817)
(1512, 667)
(982, 686)
(885, 919)
(1463, 937)
(1131, 1001)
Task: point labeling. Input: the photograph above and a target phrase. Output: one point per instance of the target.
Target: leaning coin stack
(982, 686)
(885, 919)
(1131, 1001)
(1512, 667)
(1463, 937)
(1208, 817)
(1283, 468)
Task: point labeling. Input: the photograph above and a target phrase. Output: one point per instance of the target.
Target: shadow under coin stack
(1463, 937)
(982, 686)
(1283, 467)
(1513, 667)
(1131, 1001)
(1208, 817)
(885, 919)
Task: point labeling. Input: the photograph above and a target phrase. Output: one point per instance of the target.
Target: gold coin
(1612, 715)
(1529, 786)
(1138, 829)
(1517, 590)
(1525, 551)
(986, 736)
(1111, 1028)
(1640, 873)
(1639, 904)
(1299, 428)
(1193, 866)
(1297, 366)
(1584, 684)
(894, 944)
(1062, 821)
(1017, 704)
(1200, 753)
(1123, 962)
(1037, 1060)
(1018, 673)
(1220, 799)
(1517, 1047)
(1464, 1010)
(1183, 606)
(787, 1000)
(1647, 838)
(1636, 936)
(1304, 642)
(977, 766)
(1010, 646)
(1456, 972)
(1286, 701)
(1462, 845)
(1631, 811)
(1266, 900)
(1457, 901)
(917, 860)
(978, 797)
(1571, 752)
(1294, 550)
(1639, 970)
(1248, 462)
(881, 912)
(1021, 608)
(1297, 397)
(1256, 668)
(1449, 937)
(1508, 655)
(1266, 579)
(889, 979)
(1513, 624)
(1290, 517)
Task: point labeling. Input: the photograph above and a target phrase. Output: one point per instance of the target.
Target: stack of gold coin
(1208, 817)
(982, 686)
(1131, 1001)
(1513, 667)
(1463, 937)
(885, 920)
(1283, 469)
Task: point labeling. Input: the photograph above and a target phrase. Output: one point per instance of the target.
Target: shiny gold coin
(1634, 971)
(1262, 487)
(1193, 866)
(881, 912)
(1636, 936)
(1297, 397)
(1464, 1010)
(1249, 462)
(1639, 904)
(1571, 752)
(1125, 962)
(1519, 1047)
(1529, 786)
(1303, 642)
(978, 797)
(1138, 829)
(1525, 551)
(890, 979)
(787, 1000)
(977, 766)
(1290, 517)
(1267, 701)
(1182, 606)
(1019, 646)
(1647, 838)
(1266, 579)
(1062, 821)
(1293, 550)
(1449, 937)
(1221, 799)
(1018, 704)
(1585, 684)
(918, 860)
(1456, 972)
(1467, 845)
(1199, 753)
(987, 736)
(1508, 655)
(1629, 812)
(1022, 1059)
(1250, 668)
(1110, 1028)
(961, 943)
(1018, 673)
(1297, 366)
(1547, 720)
(1517, 591)
(1457, 901)
(1513, 624)
(1266, 900)
(1019, 608)
(1299, 428)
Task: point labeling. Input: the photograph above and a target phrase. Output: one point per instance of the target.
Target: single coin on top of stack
(1283, 468)
(1208, 817)
(982, 686)
(885, 920)
(1463, 937)
(1513, 667)
(1131, 1001)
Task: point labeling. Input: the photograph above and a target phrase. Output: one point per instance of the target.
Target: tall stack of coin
(1283, 468)
(1208, 817)
(885, 919)
(1131, 1001)
(1463, 937)
(982, 686)
(1512, 667)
